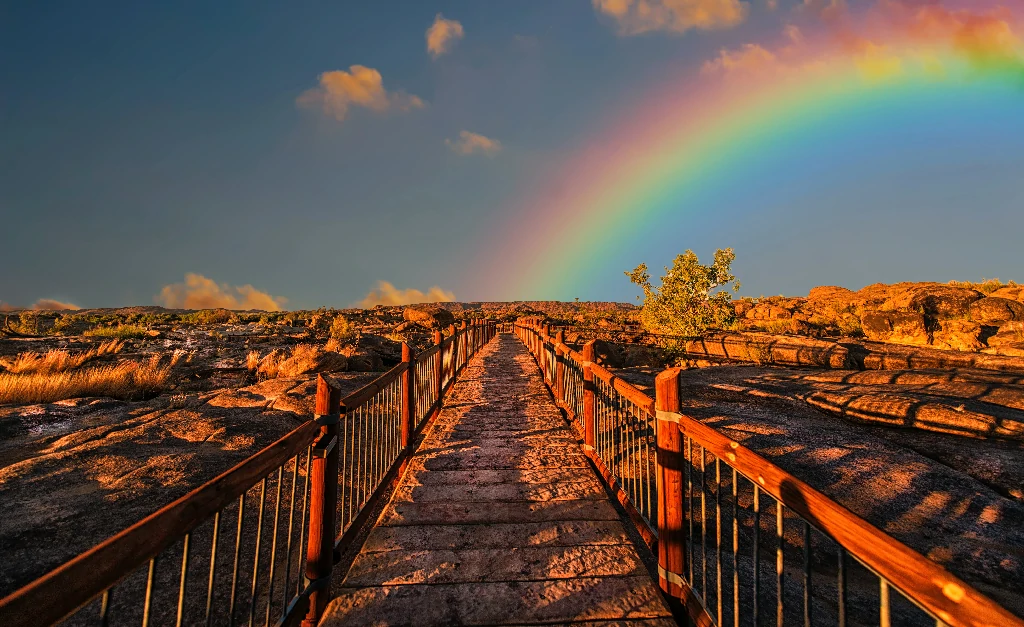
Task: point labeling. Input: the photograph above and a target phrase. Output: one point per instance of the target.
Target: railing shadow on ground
(832, 565)
(223, 553)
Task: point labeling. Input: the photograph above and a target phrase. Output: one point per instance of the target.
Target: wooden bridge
(502, 479)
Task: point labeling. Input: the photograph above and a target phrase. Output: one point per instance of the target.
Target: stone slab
(496, 535)
(502, 603)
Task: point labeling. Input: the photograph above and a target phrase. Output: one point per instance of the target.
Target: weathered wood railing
(711, 508)
(295, 506)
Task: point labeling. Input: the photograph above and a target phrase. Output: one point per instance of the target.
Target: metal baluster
(273, 546)
(302, 526)
(703, 529)
(256, 558)
(757, 553)
(238, 548)
(288, 544)
(105, 607)
(780, 588)
(213, 568)
(184, 579)
(735, 551)
(884, 614)
(689, 507)
(718, 539)
(343, 461)
(149, 592)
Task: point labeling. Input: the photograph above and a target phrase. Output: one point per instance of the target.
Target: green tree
(684, 303)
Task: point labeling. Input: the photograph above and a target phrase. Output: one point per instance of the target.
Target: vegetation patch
(122, 331)
(128, 380)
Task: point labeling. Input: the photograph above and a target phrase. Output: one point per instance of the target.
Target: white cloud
(640, 16)
(469, 143)
(387, 294)
(442, 35)
(199, 292)
(360, 86)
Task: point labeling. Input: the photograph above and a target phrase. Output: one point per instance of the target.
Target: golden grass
(123, 331)
(128, 380)
(305, 358)
(55, 361)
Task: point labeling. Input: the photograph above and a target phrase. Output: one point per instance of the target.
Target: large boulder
(428, 316)
(895, 326)
(935, 300)
(831, 294)
(769, 311)
(995, 310)
(958, 335)
(1010, 292)
(1008, 334)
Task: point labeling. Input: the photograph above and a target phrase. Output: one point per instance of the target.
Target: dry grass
(986, 286)
(55, 361)
(305, 358)
(123, 331)
(252, 361)
(128, 380)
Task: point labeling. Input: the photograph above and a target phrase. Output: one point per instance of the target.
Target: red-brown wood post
(671, 517)
(560, 365)
(408, 396)
(464, 336)
(323, 498)
(589, 399)
(439, 368)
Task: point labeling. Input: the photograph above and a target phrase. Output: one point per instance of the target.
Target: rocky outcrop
(895, 326)
(995, 310)
(427, 316)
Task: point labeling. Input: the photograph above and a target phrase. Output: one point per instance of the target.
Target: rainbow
(661, 155)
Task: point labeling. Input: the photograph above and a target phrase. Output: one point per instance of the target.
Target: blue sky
(142, 141)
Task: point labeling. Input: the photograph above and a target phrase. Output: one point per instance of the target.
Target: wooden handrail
(934, 588)
(64, 590)
(921, 580)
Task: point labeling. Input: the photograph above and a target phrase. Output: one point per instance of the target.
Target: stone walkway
(499, 520)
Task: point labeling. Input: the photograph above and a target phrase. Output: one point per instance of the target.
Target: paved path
(499, 520)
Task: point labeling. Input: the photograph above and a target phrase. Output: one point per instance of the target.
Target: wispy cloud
(442, 35)
(890, 39)
(53, 305)
(469, 143)
(360, 86)
(634, 17)
(387, 294)
(749, 57)
(199, 292)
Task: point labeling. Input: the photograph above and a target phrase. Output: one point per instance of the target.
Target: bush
(122, 331)
(684, 303)
(208, 316)
(341, 329)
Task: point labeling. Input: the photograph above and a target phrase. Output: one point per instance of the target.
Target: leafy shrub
(341, 329)
(684, 303)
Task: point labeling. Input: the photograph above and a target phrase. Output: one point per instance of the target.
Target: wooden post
(671, 462)
(323, 498)
(439, 368)
(409, 396)
(589, 399)
(559, 366)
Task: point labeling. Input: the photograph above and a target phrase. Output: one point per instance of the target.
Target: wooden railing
(295, 507)
(716, 511)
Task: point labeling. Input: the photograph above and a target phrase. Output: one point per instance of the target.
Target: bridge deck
(499, 520)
